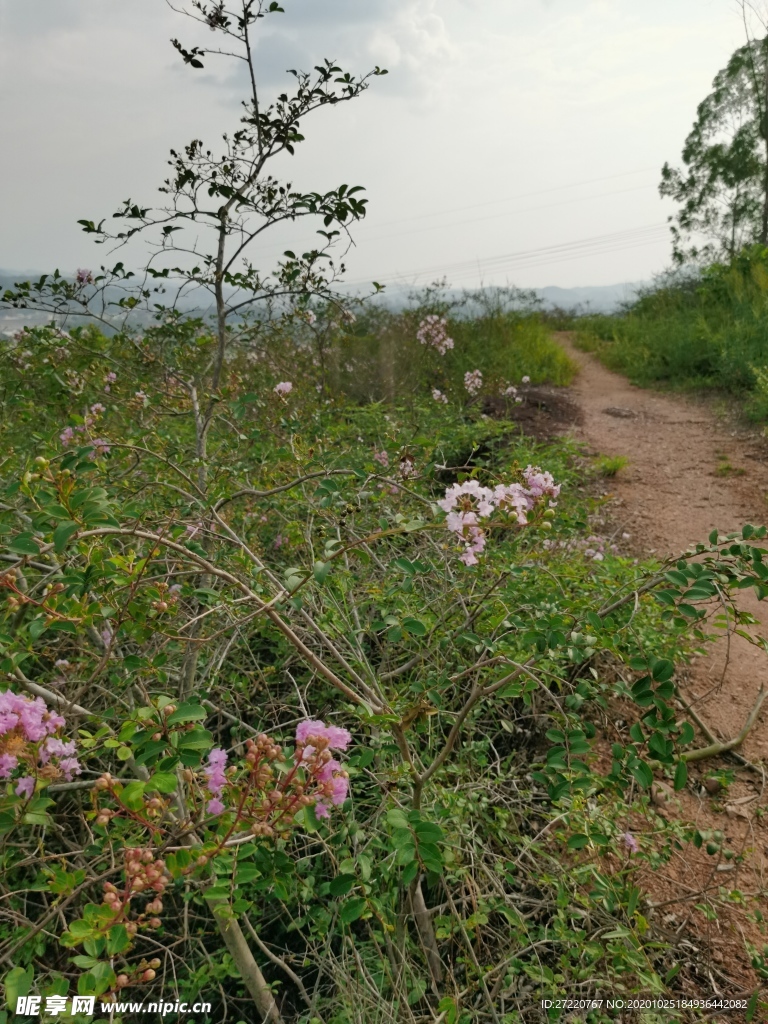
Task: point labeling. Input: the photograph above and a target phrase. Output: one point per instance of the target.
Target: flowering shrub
(218, 568)
(469, 503)
(31, 747)
(433, 332)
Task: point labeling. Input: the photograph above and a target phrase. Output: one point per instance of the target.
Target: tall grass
(381, 358)
(705, 331)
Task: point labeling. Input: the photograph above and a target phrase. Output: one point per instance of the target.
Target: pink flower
(473, 381)
(215, 806)
(433, 332)
(84, 277)
(381, 457)
(25, 786)
(101, 447)
(71, 767)
(97, 409)
(526, 380)
(7, 763)
(631, 843)
(540, 483)
(325, 773)
(66, 436)
(321, 809)
(214, 770)
(338, 739)
(340, 788)
(283, 388)
(438, 396)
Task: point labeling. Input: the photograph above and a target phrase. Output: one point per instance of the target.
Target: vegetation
(308, 660)
(706, 330)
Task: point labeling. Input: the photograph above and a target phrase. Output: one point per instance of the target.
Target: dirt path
(690, 472)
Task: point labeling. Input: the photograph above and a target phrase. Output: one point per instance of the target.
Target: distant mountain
(604, 298)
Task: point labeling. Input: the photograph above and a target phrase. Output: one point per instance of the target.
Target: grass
(610, 465)
(381, 358)
(706, 331)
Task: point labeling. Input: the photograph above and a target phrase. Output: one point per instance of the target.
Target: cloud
(407, 37)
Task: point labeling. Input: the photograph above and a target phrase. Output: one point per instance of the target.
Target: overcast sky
(513, 141)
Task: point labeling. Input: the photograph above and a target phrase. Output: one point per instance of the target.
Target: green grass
(610, 465)
(707, 332)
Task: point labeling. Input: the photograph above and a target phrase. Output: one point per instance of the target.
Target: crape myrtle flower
(473, 381)
(28, 739)
(433, 332)
(630, 843)
(469, 503)
(283, 388)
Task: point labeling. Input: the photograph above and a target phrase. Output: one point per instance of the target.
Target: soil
(690, 470)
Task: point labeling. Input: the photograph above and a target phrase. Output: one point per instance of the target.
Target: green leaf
(17, 982)
(133, 795)
(414, 627)
(118, 939)
(321, 571)
(186, 713)
(341, 885)
(163, 782)
(578, 842)
(713, 537)
(62, 534)
(642, 774)
(397, 818)
(681, 775)
(352, 910)
(24, 544)
(663, 670)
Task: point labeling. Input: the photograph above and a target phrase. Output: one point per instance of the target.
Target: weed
(610, 465)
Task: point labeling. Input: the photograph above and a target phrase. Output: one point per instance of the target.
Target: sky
(512, 141)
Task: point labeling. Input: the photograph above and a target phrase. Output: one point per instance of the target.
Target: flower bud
(121, 980)
(155, 922)
(546, 525)
(154, 963)
(148, 975)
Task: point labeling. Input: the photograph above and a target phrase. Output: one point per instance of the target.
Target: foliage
(723, 190)
(707, 330)
(331, 670)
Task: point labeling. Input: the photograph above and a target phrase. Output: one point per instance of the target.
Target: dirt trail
(690, 472)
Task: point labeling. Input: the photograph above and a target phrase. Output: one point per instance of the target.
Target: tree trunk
(764, 224)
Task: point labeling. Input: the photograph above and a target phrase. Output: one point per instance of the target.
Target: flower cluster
(314, 742)
(469, 503)
(69, 434)
(28, 740)
(217, 780)
(84, 277)
(511, 392)
(438, 396)
(268, 801)
(433, 332)
(473, 381)
(285, 387)
(381, 457)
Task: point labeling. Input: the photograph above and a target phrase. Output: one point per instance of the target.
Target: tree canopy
(722, 188)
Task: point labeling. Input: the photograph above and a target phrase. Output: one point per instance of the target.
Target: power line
(506, 213)
(577, 249)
